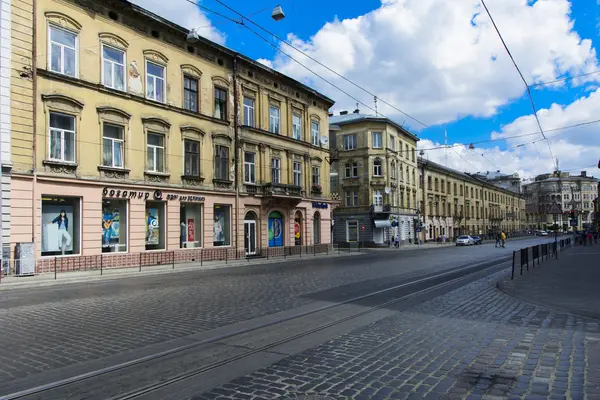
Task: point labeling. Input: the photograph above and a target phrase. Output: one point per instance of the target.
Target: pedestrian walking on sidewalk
(497, 240)
(503, 238)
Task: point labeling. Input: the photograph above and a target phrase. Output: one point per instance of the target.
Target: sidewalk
(435, 245)
(571, 283)
(90, 276)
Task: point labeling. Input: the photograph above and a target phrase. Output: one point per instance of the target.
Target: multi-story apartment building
(574, 193)
(375, 175)
(511, 182)
(454, 203)
(144, 140)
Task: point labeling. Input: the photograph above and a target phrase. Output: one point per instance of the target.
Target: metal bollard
(512, 274)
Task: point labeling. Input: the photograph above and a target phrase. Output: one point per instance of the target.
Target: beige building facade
(375, 176)
(142, 141)
(454, 203)
(573, 195)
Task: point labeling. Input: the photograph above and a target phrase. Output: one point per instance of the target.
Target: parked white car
(543, 233)
(465, 240)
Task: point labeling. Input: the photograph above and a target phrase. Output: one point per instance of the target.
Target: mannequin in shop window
(63, 234)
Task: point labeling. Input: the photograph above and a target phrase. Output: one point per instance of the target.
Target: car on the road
(477, 240)
(543, 233)
(465, 240)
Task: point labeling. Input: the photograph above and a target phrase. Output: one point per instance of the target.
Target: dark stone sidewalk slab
(571, 283)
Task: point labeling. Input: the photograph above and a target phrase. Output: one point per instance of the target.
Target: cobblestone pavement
(43, 329)
(474, 343)
(570, 283)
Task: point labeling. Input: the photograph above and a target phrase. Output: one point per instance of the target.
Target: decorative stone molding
(60, 168)
(191, 70)
(62, 102)
(155, 56)
(113, 40)
(63, 20)
(113, 173)
(219, 80)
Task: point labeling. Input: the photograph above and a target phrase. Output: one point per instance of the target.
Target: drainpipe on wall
(237, 150)
(34, 119)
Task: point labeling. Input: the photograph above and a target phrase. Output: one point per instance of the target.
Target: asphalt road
(45, 329)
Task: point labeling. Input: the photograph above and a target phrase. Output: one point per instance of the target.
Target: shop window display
(114, 226)
(155, 225)
(190, 217)
(222, 225)
(60, 225)
(275, 226)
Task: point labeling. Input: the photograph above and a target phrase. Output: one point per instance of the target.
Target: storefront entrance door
(250, 237)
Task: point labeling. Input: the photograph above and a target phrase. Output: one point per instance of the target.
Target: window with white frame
(315, 132)
(401, 174)
(191, 158)
(275, 170)
(316, 175)
(113, 67)
(274, 119)
(155, 82)
(112, 146)
(352, 231)
(351, 170)
(155, 152)
(355, 198)
(297, 173)
(349, 142)
(392, 143)
(377, 198)
(376, 136)
(249, 167)
(62, 137)
(348, 199)
(62, 51)
(296, 126)
(377, 168)
(248, 111)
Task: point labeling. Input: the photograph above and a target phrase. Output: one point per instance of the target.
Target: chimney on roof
(584, 173)
(357, 111)
(343, 112)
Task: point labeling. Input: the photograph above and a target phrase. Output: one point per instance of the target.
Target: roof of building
(354, 117)
(232, 53)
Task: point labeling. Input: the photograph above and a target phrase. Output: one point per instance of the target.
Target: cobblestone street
(474, 342)
(43, 329)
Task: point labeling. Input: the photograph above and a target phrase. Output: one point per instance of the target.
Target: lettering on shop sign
(156, 195)
(319, 205)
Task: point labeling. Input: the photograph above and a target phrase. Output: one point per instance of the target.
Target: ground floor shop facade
(70, 219)
(373, 229)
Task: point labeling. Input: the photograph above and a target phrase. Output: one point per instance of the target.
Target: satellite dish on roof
(324, 139)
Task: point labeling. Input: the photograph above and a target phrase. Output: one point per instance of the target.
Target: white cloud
(266, 62)
(442, 60)
(576, 148)
(185, 14)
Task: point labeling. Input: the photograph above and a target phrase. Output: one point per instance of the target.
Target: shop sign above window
(319, 205)
(155, 195)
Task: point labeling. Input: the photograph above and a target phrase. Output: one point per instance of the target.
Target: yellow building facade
(454, 203)
(147, 142)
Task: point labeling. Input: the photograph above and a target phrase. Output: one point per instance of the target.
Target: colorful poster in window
(275, 227)
(191, 224)
(297, 233)
(110, 227)
(152, 226)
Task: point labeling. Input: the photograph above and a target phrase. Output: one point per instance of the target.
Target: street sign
(555, 208)
(418, 229)
(573, 222)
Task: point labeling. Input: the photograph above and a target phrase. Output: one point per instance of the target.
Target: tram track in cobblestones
(69, 387)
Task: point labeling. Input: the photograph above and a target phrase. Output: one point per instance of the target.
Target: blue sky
(442, 63)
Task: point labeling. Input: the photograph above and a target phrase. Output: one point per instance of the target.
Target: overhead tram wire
(244, 18)
(292, 58)
(241, 22)
(566, 78)
(522, 78)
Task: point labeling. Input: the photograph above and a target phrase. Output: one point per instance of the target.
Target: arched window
(317, 228)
